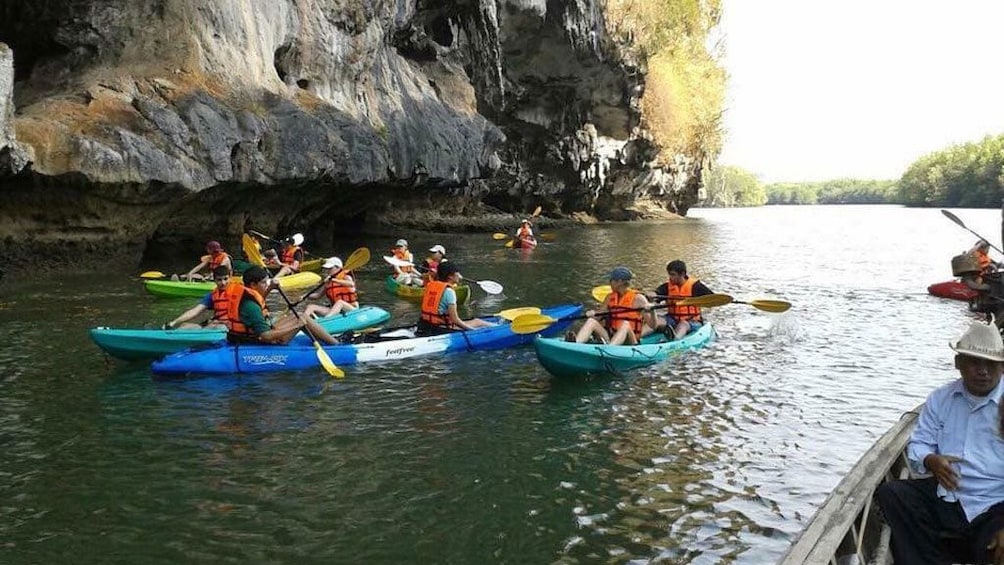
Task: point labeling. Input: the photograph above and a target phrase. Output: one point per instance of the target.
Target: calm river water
(717, 456)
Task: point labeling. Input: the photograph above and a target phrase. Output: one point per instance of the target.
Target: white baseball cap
(332, 263)
(438, 249)
(297, 238)
(401, 243)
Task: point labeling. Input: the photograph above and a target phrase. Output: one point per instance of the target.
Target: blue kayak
(567, 359)
(225, 359)
(133, 344)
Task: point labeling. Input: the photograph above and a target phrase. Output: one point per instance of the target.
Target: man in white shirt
(957, 440)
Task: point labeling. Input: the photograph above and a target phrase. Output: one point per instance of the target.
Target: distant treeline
(965, 176)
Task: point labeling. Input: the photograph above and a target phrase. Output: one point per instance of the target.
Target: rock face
(153, 123)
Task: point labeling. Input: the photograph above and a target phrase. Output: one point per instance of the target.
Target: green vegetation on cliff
(839, 191)
(685, 87)
(966, 175)
(728, 187)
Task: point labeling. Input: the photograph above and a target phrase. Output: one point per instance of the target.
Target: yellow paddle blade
(513, 313)
(326, 361)
(509, 243)
(706, 301)
(531, 323)
(358, 258)
(536, 212)
(546, 237)
(251, 250)
(601, 292)
(499, 236)
(775, 306)
(152, 275)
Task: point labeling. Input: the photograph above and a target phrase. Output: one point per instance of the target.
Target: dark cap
(445, 269)
(254, 274)
(213, 246)
(620, 274)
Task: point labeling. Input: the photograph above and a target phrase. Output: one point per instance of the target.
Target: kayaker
(982, 253)
(271, 258)
(432, 262)
(628, 314)
(958, 440)
(439, 304)
(525, 234)
(292, 255)
(215, 302)
(249, 318)
(405, 274)
(679, 320)
(215, 256)
(340, 290)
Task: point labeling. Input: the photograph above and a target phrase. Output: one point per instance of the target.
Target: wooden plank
(820, 540)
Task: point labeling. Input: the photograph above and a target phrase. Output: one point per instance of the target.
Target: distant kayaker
(215, 302)
(439, 304)
(432, 262)
(249, 318)
(405, 274)
(215, 256)
(340, 290)
(958, 440)
(292, 255)
(679, 320)
(630, 315)
(524, 235)
(982, 253)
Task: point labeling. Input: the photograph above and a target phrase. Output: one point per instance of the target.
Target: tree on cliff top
(685, 88)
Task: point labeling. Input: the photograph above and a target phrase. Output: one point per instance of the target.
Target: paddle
(956, 219)
(357, 259)
(767, 305)
(513, 313)
(491, 287)
(322, 355)
(152, 275)
(250, 247)
(533, 323)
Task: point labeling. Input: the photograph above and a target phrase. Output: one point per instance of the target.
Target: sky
(826, 89)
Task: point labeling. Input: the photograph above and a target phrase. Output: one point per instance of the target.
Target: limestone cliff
(164, 121)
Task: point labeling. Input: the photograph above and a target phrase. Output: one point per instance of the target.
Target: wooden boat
(415, 292)
(848, 527)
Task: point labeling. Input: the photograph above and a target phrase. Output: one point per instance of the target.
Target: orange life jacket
(430, 304)
(237, 294)
(686, 290)
(616, 305)
(403, 255)
(289, 257)
(221, 301)
(524, 232)
(217, 259)
(336, 292)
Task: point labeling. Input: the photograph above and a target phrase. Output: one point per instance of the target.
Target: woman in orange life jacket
(405, 275)
(679, 320)
(439, 304)
(431, 263)
(215, 257)
(340, 289)
(292, 255)
(621, 326)
(215, 302)
(249, 318)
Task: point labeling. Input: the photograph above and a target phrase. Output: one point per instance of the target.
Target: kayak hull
(565, 359)
(312, 265)
(136, 344)
(415, 292)
(229, 359)
(184, 289)
(954, 290)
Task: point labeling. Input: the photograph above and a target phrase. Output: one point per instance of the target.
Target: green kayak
(151, 343)
(566, 359)
(176, 289)
(415, 292)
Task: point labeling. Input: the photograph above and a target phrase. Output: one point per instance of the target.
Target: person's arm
(199, 267)
(924, 439)
(647, 316)
(347, 281)
(192, 312)
(700, 289)
(252, 316)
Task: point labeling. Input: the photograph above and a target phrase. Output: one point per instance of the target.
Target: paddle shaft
(958, 222)
(322, 355)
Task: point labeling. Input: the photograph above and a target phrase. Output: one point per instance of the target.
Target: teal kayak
(132, 344)
(566, 359)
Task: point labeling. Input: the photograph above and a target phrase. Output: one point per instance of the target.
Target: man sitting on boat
(215, 256)
(250, 321)
(627, 312)
(405, 274)
(340, 289)
(958, 440)
(215, 301)
(292, 255)
(439, 304)
(679, 320)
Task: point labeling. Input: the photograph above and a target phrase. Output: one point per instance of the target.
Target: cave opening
(29, 28)
(441, 31)
(280, 60)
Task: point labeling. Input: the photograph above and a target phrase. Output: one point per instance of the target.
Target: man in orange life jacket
(249, 318)
(679, 320)
(340, 289)
(628, 314)
(292, 255)
(439, 304)
(215, 302)
(215, 257)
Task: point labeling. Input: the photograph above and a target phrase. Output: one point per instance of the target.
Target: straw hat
(981, 340)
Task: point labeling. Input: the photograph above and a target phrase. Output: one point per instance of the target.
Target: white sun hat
(981, 340)
(401, 243)
(438, 249)
(332, 263)
(297, 239)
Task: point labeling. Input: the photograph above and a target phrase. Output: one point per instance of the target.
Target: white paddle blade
(491, 287)
(397, 262)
